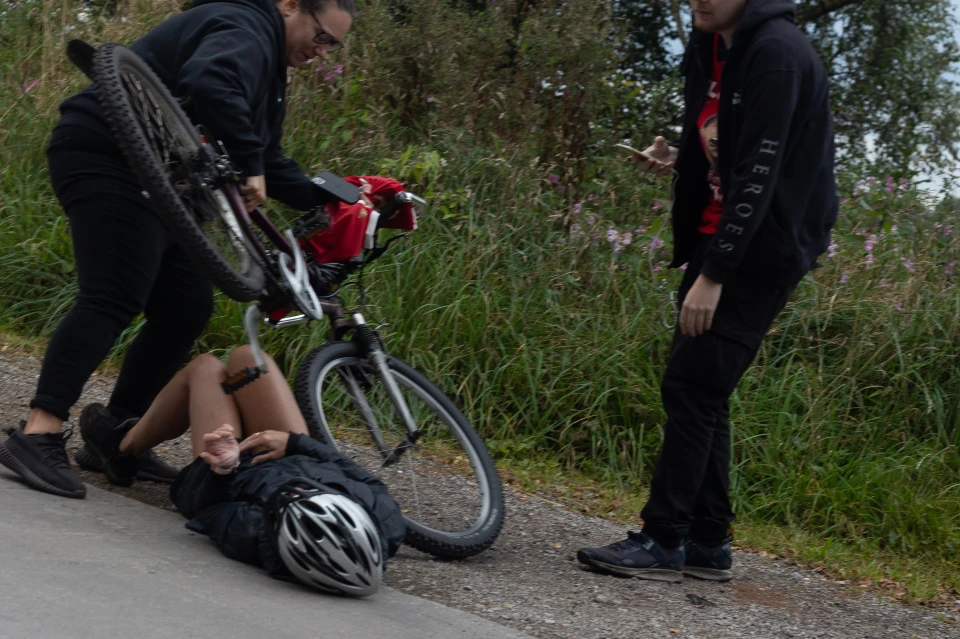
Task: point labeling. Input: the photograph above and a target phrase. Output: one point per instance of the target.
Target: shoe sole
(87, 461)
(708, 574)
(650, 574)
(14, 464)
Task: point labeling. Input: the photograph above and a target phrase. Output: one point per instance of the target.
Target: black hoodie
(225, 61)
(775, 152)
(230, 509)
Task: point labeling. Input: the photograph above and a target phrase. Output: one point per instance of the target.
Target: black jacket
(230, 508)
(226, 62)
(775, 152)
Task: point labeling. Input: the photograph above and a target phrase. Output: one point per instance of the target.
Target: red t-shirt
(707, 124)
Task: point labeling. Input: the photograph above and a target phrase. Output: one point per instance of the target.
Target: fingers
(695, 322)
(257, 439)
(250, 442)
(664, 169)
(265, 457)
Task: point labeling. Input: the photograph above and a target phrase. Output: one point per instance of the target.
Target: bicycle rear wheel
(164, 151)
(447, 485)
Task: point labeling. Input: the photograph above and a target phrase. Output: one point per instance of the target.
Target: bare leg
(268, 403)
(193, 399)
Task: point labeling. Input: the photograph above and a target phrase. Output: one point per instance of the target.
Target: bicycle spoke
(434, 480)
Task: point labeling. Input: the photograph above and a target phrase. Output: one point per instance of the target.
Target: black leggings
(127, 263)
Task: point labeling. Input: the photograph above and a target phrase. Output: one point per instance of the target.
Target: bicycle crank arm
(235, 382)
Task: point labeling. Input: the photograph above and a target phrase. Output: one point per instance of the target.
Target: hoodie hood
(268, 8)
(759, 11)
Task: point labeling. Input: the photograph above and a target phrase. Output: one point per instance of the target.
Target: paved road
(109, 566)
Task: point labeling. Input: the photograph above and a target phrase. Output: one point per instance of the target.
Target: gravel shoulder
(531, 581)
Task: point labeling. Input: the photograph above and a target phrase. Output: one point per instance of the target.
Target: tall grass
(525, 297)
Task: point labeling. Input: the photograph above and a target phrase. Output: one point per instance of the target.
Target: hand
(266, 445)
(220, 448)
(664, 157)
(254, 191)
(372, 201)
(696, 315)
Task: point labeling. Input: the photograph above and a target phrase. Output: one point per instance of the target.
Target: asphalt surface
(109, 566)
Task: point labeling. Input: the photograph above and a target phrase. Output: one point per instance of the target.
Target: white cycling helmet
(327, 540)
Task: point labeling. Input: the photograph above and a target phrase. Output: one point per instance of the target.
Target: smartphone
(338, 188)
(641, 154)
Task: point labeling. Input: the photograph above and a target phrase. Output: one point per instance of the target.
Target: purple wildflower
(844, 277)
(554, 178)
(591, 220)
(899, 306)
(576, 208)
(947, 230)
(891, 185)
(590, 198)
(656, 206)
(575, 229)
(869, 244)
(626, 238)
(869, 259)
(612, 234)
(908, 264)
(904, 183)
(832, 249)
(656, 243)
(894, 228)
(640, 229)
(949, 269)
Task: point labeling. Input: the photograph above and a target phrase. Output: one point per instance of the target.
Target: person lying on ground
(279, 498)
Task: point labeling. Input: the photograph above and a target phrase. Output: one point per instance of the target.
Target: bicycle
(372, 406)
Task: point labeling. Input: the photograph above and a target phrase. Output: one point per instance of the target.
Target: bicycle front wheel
(447, 485)
(164, 151)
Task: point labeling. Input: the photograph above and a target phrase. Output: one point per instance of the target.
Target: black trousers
(689, 494)
(127, 264)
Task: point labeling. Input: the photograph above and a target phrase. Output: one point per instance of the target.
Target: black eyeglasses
(325, 38)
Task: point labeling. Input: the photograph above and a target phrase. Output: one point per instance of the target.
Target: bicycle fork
(377, 357)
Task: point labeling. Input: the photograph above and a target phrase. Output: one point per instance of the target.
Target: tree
(889, 63)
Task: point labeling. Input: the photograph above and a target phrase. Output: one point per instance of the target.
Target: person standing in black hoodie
(755, 197)
(227, 62)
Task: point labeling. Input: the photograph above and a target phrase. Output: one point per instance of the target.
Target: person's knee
(207, 365)
(242, 357)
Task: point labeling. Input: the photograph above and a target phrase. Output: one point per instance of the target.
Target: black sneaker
(636, 556)
(102, 436)
(708, 562)
(152, 468)
(42, 462)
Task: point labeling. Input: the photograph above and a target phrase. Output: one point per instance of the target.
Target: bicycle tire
(110, 63)
(309, 388)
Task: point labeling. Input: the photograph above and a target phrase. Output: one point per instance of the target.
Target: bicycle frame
(298, 285)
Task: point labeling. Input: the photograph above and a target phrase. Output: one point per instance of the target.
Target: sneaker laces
(54, 449)
(633, 540)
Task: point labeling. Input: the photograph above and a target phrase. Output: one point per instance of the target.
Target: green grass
(846, 431)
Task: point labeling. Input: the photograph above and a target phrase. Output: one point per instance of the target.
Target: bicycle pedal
(240, 379)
